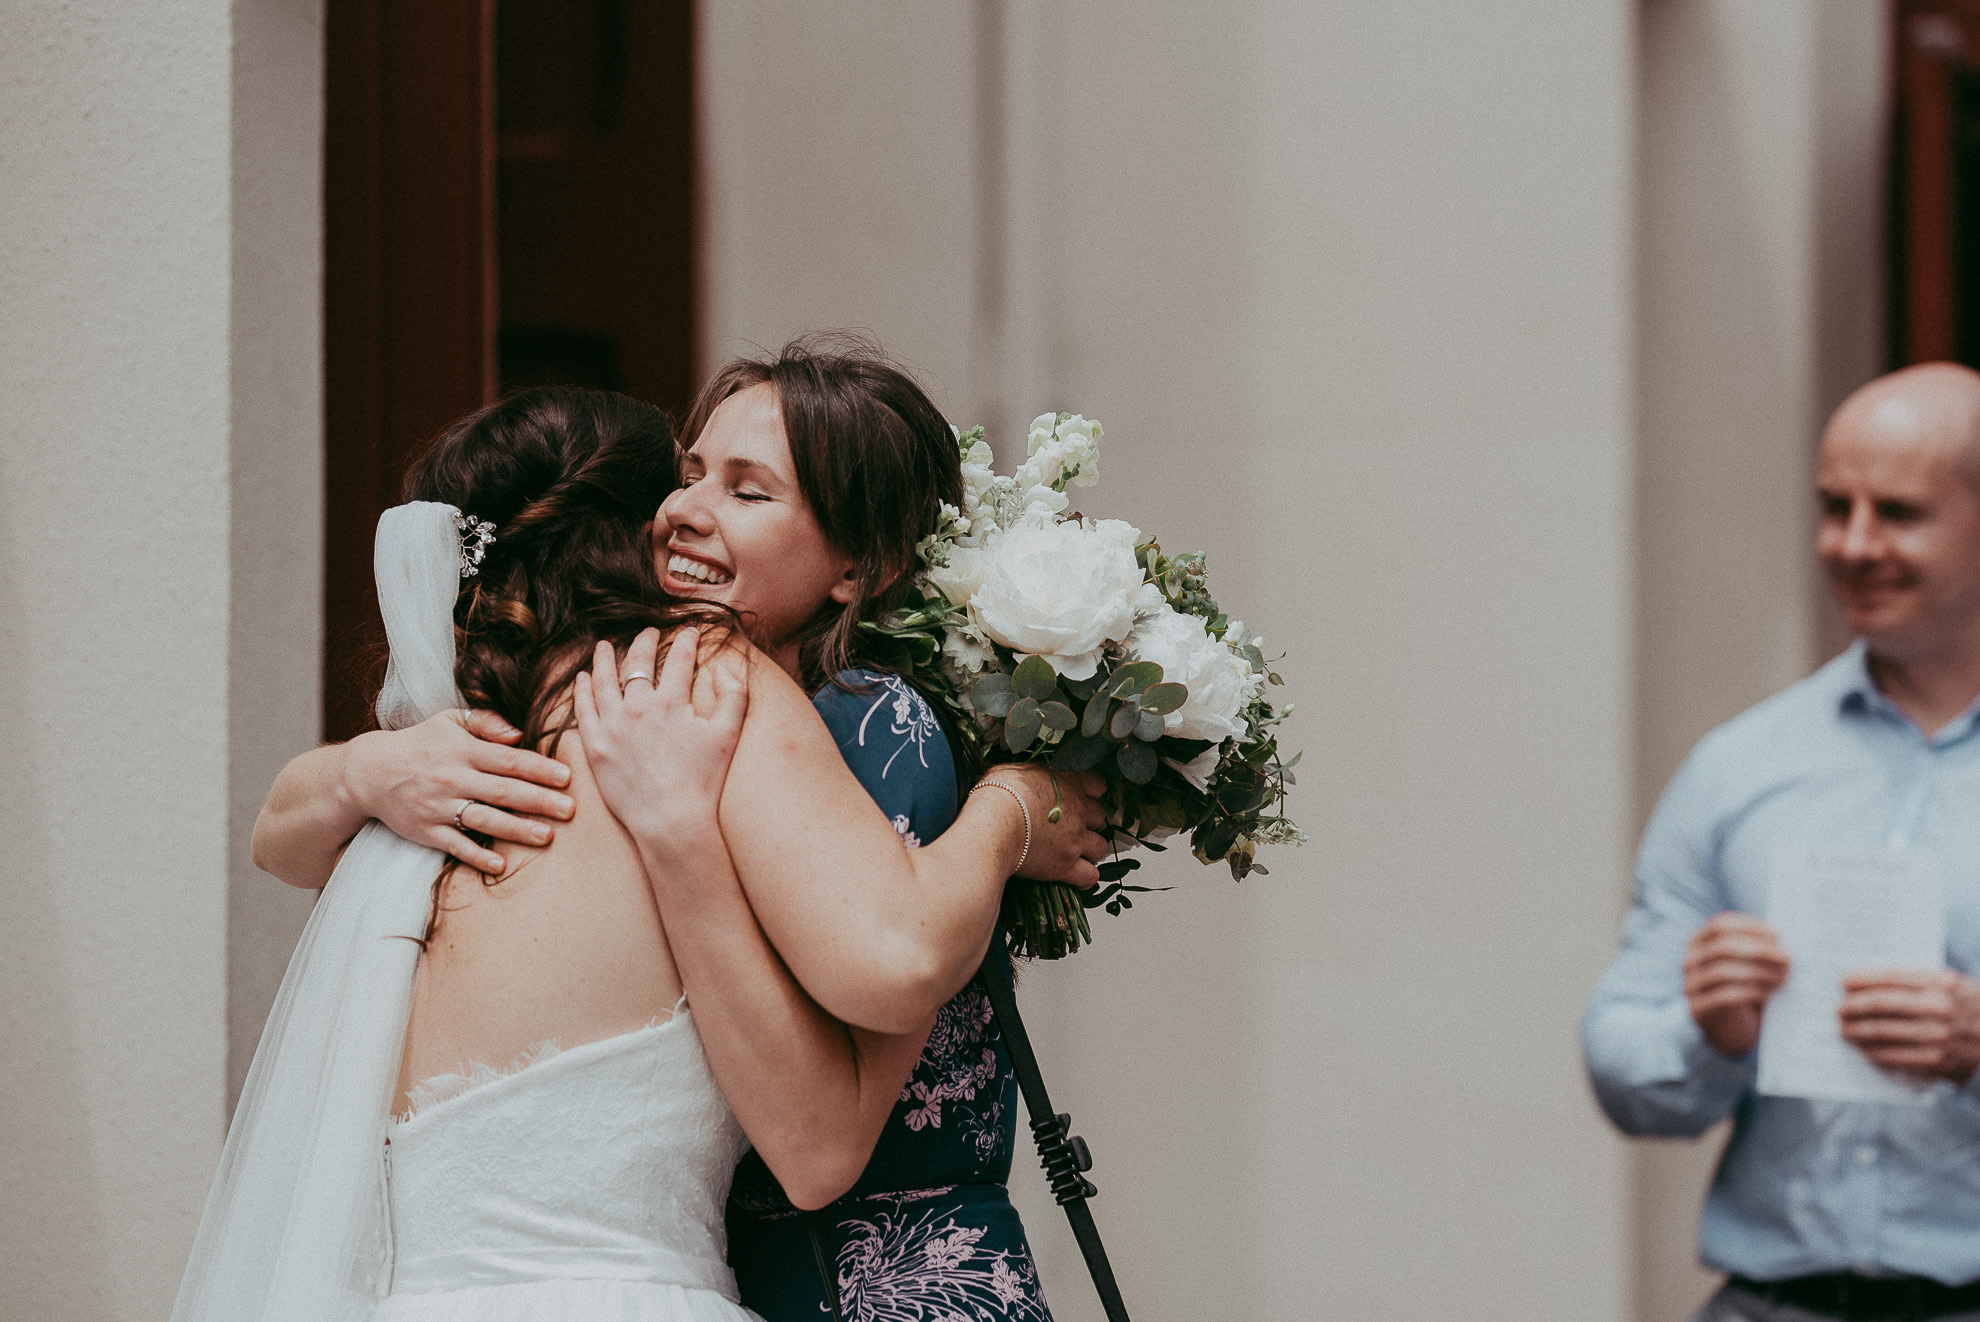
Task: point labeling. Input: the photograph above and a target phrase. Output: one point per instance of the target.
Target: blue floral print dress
(928, 1233)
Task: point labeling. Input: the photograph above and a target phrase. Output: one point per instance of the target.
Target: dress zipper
(391, 1240)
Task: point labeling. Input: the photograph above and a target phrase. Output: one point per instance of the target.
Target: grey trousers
(1734, 1305)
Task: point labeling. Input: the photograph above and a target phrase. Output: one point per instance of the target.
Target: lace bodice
(610, 1160)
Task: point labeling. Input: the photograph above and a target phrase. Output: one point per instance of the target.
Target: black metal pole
(1064, 1153)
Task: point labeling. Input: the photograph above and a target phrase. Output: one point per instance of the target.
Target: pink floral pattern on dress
(907, 1265)
(955, 1067)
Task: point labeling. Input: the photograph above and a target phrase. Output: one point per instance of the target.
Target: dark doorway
(595, 110)
(1935, 194)
(507, 203)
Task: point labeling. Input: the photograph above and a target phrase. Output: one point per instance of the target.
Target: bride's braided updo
(571, 479)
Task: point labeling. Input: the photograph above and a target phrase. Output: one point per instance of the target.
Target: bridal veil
(294, 1226)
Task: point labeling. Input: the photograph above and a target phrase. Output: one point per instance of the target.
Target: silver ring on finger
(639, 674)
(465, 805)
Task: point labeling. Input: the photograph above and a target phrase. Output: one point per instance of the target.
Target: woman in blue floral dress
(928, 1232)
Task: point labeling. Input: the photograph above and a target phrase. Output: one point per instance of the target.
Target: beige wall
(158, 455)
(1759, 305)
(1353, 304)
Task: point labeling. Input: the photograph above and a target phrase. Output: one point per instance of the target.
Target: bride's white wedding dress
(588, 1184)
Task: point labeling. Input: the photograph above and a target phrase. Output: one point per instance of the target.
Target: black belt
(1854, 1298)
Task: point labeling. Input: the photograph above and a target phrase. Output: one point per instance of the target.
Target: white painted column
(1759, 306)
(157, 376)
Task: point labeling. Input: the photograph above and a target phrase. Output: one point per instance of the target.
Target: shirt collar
(1858, 692)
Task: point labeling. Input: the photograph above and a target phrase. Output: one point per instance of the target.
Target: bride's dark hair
(571, 479)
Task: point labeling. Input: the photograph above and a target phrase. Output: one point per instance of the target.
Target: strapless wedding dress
(585, 1185)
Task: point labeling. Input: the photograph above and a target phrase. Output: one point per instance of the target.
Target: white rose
(1062, 591)
(1220, 682)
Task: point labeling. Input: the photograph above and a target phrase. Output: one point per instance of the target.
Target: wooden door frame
(410, 289)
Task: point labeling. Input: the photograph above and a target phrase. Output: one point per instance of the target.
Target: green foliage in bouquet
(1120, 718)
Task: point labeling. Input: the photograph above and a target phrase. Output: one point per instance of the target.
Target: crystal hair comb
(477, 535)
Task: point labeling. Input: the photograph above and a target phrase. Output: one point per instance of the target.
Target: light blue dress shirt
(1804, 1186)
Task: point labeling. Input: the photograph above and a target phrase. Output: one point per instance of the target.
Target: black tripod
(1063, 1152)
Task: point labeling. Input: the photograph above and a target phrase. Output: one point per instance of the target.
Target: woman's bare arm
(414, 780)
(878, 935)
(812, 1094)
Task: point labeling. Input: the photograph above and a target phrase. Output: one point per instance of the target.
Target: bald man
(1830, 1209)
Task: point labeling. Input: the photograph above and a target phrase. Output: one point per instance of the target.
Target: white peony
(1062, 591)
(1220, 681)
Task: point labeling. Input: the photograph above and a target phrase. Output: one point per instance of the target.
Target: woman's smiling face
(739, 531)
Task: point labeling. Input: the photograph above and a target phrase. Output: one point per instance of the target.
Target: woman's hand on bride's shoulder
(457, 769)
(659, 738)
(1066, 850)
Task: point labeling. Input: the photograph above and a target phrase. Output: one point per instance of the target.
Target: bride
(557, 1146)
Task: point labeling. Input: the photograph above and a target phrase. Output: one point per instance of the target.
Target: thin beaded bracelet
(1024, 811)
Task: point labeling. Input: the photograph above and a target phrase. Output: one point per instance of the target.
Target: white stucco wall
(133, 424)
(837, 179)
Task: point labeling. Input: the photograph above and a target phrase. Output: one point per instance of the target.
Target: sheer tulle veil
(294, 1227)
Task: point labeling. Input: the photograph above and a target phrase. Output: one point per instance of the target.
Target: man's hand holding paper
(1925, 1022)
(1866, 929)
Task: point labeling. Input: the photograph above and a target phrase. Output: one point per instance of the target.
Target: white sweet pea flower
(1042, 505)
(1220, 681)
(1062, 591)
(1198, 770)
(968, 652)
(957, 579)
(1078, 441)
(1061, 453)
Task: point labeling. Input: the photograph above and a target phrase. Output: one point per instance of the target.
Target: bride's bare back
(566, 948)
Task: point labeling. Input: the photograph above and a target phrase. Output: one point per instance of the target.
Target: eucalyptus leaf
(1161, 699)
(1023, 712)
(1126, 718)
(997, 702)
(1132, 678)
(1080, 753)
(1095, 718)
(1149, 728)
(1137, 762)
(993, 683)
(1017, 738)
(1035, 679)
(1056, 716)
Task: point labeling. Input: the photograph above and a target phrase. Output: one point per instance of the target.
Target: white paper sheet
(1843, 911)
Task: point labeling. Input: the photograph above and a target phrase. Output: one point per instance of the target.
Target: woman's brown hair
(876, 462)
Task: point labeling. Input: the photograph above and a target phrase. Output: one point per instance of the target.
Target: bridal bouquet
(1078, 643)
